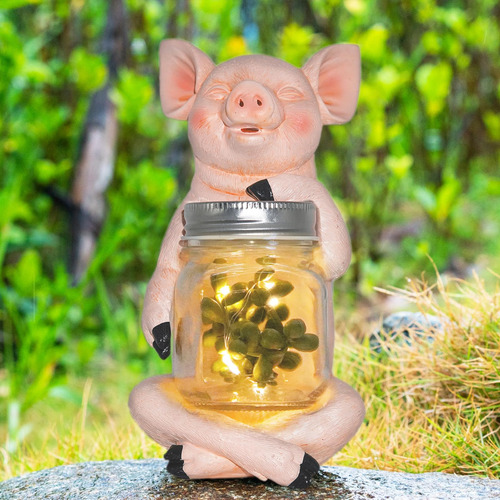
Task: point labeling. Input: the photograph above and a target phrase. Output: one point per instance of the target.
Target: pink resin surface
(252, 118)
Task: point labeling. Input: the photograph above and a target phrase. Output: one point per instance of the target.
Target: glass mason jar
(249, 313)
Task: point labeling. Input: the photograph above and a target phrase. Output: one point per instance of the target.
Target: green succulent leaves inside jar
(250, 326)
(211, 311)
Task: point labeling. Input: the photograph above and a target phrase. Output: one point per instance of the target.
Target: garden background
(416, 175)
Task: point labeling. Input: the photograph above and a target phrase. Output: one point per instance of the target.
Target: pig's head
(257, 115)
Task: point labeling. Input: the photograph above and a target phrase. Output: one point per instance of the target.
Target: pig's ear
(335, 73)
(183, 69)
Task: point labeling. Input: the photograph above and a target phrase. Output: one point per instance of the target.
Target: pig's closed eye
(217, 92)
(290, 94)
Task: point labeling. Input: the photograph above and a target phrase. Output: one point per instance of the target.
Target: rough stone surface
(400, 326)
(149, 480)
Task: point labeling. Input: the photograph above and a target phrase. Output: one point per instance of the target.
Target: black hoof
(175, 467)
(161, 342)
(174, 452)
(261, 191)
(308, 469)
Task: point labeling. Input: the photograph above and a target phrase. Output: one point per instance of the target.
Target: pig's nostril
(259, 102)
(241, 103)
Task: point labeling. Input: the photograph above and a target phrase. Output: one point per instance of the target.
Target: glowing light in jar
(226, 359)
(273, 302)
(258, 390)
(222, 292)
(268, 285)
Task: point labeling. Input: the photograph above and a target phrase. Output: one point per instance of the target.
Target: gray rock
(400, 326)
(149, 480)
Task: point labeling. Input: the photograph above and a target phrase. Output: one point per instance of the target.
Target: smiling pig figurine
(254, 123)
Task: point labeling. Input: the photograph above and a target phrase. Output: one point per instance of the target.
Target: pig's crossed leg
(221, 447)
(158, 409)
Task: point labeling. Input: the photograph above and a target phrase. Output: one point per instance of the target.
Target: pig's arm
(160, 290)
(332, 231)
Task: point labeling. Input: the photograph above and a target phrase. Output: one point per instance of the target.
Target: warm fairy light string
(244, 348)
(226, 358)
(273, 302)
(222, 292)
(257, 389)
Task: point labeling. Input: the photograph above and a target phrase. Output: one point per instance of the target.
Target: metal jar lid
(250, 219)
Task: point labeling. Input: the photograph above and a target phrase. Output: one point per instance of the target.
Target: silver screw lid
(250, 220)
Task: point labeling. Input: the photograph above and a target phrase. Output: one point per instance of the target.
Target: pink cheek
(302, 124)
(199, 119)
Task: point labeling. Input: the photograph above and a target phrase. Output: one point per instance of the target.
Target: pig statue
(254, 123)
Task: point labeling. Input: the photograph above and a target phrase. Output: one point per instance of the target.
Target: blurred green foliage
(415, 173)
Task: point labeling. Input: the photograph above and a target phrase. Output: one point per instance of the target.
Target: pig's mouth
(250, 130)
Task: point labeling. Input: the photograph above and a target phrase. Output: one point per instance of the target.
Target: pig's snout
(250, 103)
